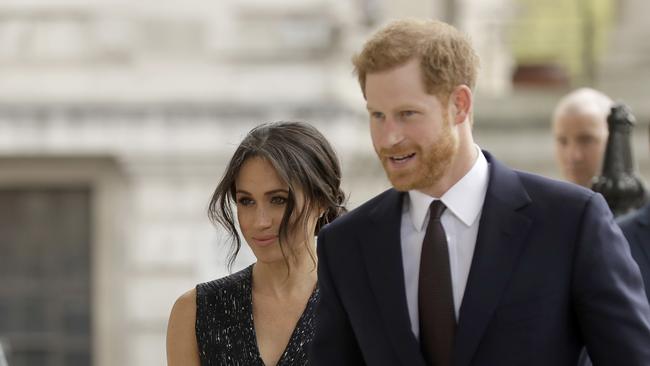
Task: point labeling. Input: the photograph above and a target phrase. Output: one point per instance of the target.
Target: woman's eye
(245, 201)
(277, 200)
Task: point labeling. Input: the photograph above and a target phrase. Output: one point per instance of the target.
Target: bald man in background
(580, 130)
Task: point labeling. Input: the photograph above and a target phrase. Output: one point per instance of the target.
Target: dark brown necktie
(435, 296)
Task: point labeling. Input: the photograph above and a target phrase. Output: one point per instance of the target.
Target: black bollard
(619, 181)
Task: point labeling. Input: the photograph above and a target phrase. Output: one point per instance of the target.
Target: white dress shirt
(464, 201)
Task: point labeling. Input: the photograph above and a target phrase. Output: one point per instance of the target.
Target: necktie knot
(436, 209)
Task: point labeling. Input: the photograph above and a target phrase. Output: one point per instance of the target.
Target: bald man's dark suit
(636, 228)
(551, 272)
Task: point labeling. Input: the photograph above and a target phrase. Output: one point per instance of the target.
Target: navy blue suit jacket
(551, 272)
(636, 228)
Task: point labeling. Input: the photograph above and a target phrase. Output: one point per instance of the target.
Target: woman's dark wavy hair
(304, 159)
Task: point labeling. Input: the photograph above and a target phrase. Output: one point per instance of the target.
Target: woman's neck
(275, 279)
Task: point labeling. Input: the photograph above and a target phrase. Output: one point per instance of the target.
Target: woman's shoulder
(181, 338)
(222, 304)
(237, 282)
(186, 301)
(184, 309)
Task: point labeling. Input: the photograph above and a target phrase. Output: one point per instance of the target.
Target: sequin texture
(224, 324)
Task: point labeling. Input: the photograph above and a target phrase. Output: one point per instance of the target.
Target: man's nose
(575, 153)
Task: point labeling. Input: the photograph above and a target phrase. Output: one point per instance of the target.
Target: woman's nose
(262, 217)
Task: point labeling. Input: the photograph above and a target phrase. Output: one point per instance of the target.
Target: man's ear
(461, 99)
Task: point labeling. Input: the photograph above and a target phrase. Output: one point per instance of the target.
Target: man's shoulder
(630, 221)
(538, 188)
(552, 188)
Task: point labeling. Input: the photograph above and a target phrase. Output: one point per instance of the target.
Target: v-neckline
(251, 320)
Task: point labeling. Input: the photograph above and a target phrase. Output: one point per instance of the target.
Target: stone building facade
(117, 119)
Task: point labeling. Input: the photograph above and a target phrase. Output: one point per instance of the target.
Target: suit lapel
(383, 258)
(499, 243)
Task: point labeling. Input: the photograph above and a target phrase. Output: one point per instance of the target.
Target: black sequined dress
(224, 324)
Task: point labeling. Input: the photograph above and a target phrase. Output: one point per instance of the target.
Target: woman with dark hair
(284, 179)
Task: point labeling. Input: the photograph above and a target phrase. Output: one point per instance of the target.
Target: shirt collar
(464, 199)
